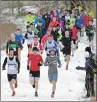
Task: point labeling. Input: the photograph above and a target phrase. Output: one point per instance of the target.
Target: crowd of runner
(53, 32)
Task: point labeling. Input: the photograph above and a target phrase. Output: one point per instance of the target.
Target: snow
(7, 14)
(29, 9)
(70, 85)
(6, 10)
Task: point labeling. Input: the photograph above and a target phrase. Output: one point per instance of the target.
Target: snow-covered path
(70, 85)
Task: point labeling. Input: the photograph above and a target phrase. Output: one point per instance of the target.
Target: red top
(44, 40)
(34, 61)
(53, 24)
(86, 20)
(74, 33)
(38, 45)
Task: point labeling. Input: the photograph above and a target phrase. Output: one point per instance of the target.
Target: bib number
(12, 67)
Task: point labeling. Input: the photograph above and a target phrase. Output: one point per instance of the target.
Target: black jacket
(15, 45)
(55, 34)
(41, 32)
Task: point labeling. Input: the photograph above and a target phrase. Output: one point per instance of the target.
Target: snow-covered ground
(29, 9)
(70, 85)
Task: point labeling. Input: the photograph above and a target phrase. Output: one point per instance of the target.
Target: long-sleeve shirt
(15, 45)
(41, 32)
(12, 65)
(19, 38)
(80, 22)
(66, 42)
(57, 35)
(52, 61)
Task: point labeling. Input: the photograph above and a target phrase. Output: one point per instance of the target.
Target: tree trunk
(18, 7)
(72, 2)
(12, 7)
(0, 11)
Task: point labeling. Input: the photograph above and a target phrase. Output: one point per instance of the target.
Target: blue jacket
(80, 22)
(19, 38)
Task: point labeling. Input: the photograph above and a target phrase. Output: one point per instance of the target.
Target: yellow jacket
(72, 22)
(79, 8)
(30, 19)
(91, 14)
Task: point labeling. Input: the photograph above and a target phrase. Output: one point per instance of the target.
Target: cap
(88, 49)
(52, 50)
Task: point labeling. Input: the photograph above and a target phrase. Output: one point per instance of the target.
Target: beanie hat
(52, 50)
(88, 49)
(35, 49)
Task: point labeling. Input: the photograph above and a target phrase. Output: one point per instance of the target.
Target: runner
(56, 34)
(54, 22)
(12, 70)
(29, 35)
(66, 28)
(74, 39)
(66, 42)
(19, 36)
(80, 26)
(41, 30)
(90, 33)
(51, 61)
(13, 44)
(29, 19)
(37, 44)
(34, 71)
(51, 44)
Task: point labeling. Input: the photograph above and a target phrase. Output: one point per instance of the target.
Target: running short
(66, 51)
(11, 76)
(53, 77)
(34, 75)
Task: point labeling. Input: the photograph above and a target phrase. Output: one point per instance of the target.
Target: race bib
(12, 67)
(14, 49)
(30, 38)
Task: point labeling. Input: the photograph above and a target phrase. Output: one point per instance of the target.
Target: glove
(27, 67)
(23, 41)
(3, 69)
(33, 86)
(78, 68)
(59, 66)
(39, 64)
(46, 49)
(18, 71)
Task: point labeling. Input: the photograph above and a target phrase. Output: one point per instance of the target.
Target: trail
(70, 85)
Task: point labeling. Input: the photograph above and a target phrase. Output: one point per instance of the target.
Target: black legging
(89, 84)
(28, 46)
